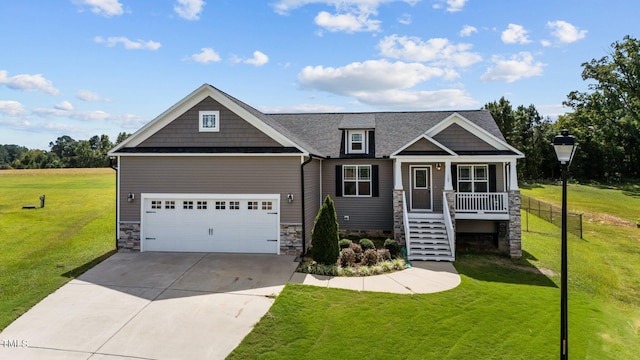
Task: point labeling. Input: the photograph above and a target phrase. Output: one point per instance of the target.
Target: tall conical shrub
(324, 236)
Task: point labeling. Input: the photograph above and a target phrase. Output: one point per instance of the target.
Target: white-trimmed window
(209, 120)
(252, 205)
(202, 205)
(356, 180)
(187, 205)
(170, 204)
(473, 178)
(220, 205)
(234, 205)
(156, 204)
(356, 142)
(267, 205)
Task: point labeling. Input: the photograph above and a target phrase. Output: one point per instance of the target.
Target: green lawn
(503, 309)
(44, 248)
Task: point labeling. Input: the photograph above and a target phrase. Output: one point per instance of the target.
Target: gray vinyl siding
(423, 145)
(365, 213)
(311, 196)
(234, 131)
(457, 138)
(210, 175)
(437, 185)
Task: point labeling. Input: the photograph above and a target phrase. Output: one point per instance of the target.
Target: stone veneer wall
(290, 239)
(398, 220)
(129, 237)
(515, 226)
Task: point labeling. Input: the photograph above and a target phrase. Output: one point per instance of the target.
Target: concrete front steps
(428, 239)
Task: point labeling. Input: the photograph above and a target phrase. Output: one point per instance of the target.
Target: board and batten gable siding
(423, 145)
(210, 175)
(365, 213)
(311, 196)
(456, 138)
(234, 131)
(437, 185)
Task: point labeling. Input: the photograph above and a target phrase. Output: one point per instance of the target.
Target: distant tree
(121, 137)
(324, 235)
(606, 119)
(10, 153)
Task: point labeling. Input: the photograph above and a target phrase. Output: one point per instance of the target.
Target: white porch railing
(448, 224)
(405, 221)
(482, 203)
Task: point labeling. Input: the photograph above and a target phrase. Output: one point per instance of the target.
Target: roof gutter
(304, 225)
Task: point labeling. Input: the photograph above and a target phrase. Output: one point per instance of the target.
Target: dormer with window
(358, 133)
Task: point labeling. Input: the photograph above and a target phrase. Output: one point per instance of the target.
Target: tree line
(605, 122)
(65, 152)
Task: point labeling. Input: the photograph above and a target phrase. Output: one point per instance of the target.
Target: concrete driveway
(151, 306)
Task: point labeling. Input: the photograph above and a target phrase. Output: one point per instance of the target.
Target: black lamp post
(565, 146)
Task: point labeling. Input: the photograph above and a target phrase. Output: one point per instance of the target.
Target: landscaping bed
(359, 258)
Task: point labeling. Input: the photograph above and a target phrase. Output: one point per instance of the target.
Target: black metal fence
(550, 213)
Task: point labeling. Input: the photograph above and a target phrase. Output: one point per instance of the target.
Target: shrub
(384, 254)
(367, 244)
(370, 257)
(347, 271)
(347, 257)
(399, 264)
(324, 235)
(387, 266)
(365, 271)
(392, 246)
(344, 243)
(357, 249)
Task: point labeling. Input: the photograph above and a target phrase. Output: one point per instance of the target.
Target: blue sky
(91, 67)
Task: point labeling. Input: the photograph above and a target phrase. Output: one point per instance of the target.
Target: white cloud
(438, 51)
(515, 34)
(402, 99)
(26, 82)
(65, 106)
(349, 23)
(467, 30)
(11, 108)
(452, 5)
(368, 76)
(519, 66)
(258, 59)
(130, 121)
(105, 8)
(565, 32)
(301, 108)
(545, 43)
(349, 16)
(128, 44)
(90, 96)
(405, 19)
(189, 9)
(205, 56)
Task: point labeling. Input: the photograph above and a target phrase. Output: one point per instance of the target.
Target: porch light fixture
(438, 166)
(290, 197)
(565, 147)
(131, 197)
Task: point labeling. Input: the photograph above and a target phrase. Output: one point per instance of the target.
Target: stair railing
(448, 223)
(405, 221)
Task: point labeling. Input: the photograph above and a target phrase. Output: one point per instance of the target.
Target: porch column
(513, 176)
(397, 174)
(448, 182)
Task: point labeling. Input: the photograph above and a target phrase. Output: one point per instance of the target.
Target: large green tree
(606, 118)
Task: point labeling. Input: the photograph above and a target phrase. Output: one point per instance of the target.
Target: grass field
(44, 248)
(503, 309)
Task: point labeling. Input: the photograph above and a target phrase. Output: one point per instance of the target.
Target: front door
(421, 188)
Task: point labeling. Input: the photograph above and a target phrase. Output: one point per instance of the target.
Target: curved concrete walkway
(421, 278)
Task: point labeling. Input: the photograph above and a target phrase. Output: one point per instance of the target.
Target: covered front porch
(431, 193)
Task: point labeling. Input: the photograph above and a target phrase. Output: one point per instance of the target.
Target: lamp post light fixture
(565, 147)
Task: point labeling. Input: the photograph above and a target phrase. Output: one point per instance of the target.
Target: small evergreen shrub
(347, 257)
(344, 243)
(392, 246)
(384, 254)
(370, 257)
(324, 235)
(367, 244)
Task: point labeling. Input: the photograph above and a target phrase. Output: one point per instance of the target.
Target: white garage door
(210, 223)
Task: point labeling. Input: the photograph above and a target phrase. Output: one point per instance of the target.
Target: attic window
(356, 142)
(209, 120)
